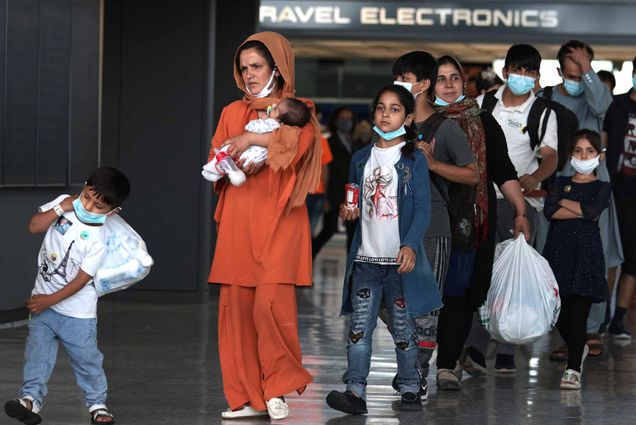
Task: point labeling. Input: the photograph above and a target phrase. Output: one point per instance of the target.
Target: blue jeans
(79, 338)
(371, 285)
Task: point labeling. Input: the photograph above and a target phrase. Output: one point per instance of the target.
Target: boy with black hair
(531, 133)
(63, 303)
(449, 158)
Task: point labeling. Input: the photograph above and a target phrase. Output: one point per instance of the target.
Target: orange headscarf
(283, 145)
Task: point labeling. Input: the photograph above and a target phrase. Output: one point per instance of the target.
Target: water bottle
(225, 164)
(107, 278)
(134, 249)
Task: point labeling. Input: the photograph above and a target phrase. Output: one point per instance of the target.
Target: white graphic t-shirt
(379, 207)
(628, 157)
(70, 245)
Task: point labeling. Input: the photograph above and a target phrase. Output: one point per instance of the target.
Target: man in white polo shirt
(531, 134)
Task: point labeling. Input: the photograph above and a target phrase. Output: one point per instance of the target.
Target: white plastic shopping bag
(523, 302)
(127, 260)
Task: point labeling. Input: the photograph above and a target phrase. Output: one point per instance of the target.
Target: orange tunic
(257, 242)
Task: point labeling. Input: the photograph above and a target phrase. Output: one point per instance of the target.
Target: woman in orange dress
(263, 247)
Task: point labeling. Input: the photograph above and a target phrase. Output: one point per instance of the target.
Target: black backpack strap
(534, 118)
(547, 92)
(489, 102)
(427, 130)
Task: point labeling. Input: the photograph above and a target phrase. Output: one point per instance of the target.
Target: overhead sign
(478, 21)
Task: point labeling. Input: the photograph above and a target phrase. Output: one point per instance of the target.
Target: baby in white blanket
(289, 111)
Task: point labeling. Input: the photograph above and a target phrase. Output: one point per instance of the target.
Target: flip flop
(595, 345)
(560, 354)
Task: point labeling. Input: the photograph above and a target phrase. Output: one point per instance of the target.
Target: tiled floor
(162, 366)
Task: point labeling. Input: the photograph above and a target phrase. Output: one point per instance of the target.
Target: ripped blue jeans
(371, 285)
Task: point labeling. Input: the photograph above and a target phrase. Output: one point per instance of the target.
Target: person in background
(619, 130)
(608, 79)
(316, 200)
(342, 144)
(471, 261)
(487, 80)
(583, 93)
(363, 132)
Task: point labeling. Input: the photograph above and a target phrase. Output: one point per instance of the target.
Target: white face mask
(409, 87)
(584, 166)
(269, 87)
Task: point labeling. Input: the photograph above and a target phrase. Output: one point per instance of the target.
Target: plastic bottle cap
(146, 260)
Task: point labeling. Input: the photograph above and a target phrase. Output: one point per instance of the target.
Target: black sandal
(17, 409)
(101, 412)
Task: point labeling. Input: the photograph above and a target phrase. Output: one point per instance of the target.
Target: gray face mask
(344, 125)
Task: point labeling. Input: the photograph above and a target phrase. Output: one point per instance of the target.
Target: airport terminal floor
(162, 366)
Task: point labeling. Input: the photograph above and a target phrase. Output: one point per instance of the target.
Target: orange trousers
(258, 344)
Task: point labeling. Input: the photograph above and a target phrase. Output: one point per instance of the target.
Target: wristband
(58, 210)
(520, 215)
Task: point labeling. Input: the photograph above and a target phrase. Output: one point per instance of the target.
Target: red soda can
(352, 194)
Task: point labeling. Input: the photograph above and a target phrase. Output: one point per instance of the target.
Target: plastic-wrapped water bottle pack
(127, 260)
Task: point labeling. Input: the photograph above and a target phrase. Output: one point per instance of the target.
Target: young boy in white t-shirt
(63, 303)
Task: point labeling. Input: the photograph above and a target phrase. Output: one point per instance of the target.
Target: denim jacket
(414, 209)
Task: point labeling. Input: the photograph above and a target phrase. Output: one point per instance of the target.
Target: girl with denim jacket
(386, 263)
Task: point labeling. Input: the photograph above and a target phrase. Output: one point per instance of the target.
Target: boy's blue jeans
(371, 284)
(79, 338)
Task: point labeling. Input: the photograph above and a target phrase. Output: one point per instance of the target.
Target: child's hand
(347, 213)
(427, 150)
(406, 259)
(39, 303)
(67, 203)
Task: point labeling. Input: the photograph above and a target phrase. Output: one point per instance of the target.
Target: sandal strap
(97, 407)
(97, 410)
(101, 412)
(34, 408)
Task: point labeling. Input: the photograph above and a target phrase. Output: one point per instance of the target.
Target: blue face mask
(85, 216)
(441, 102)
(634, 81)
(574, 88)
(391, 134)
(520, 84)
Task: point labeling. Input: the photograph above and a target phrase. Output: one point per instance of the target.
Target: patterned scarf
(466, 114)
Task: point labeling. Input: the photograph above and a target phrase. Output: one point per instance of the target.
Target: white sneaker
(571, 380)
(277, 408)
(245, 412)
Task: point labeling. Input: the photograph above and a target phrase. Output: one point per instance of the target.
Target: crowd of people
(443, 178)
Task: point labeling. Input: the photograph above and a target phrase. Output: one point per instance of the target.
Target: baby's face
(277, 110)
